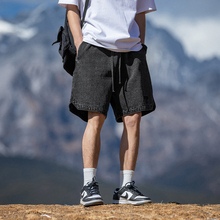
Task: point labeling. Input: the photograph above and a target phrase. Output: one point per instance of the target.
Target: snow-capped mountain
(35, 90)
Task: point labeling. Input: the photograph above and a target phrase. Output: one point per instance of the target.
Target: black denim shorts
(102, 77)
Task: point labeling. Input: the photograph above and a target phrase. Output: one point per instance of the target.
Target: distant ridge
(26, 181)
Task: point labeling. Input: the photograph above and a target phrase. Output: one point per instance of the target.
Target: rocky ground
(149, 211)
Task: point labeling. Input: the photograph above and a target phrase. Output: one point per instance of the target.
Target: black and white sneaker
(90, 194)
(129, 194)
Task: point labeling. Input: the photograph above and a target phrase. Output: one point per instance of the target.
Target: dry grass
(149, 211)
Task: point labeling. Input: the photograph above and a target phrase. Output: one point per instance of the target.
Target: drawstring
(112, 69)
(119, 67)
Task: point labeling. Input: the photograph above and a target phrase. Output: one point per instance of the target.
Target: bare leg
(130, 141)
(91, 139)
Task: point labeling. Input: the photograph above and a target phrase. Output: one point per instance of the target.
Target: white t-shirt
(110, 23)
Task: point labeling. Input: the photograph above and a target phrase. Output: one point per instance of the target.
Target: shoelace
(133, 187)
(94, 189)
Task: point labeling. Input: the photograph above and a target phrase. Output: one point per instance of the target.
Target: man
(111, 68)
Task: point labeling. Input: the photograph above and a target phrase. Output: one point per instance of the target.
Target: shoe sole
(129, 202)
(91, 203)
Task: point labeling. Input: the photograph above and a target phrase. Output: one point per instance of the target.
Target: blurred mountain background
(40, 140)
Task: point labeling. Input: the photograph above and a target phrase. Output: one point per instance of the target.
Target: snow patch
(119, 129)
(23, 33)
(200, 37)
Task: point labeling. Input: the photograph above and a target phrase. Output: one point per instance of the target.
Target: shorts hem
(143, 109)
(81, 110)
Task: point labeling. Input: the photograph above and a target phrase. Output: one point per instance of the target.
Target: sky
(195, 23)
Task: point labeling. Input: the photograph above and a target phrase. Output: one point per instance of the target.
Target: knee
(132, 121)
(96, 120)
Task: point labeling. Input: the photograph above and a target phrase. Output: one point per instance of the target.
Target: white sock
(88, 174)
(126, 176)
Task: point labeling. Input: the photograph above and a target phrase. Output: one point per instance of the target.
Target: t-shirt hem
(64, 3)
(136, 47)
(147, 11)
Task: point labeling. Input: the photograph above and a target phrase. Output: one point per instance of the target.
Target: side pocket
(82, 49)
(77, 54)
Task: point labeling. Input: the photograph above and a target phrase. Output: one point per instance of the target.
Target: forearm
(140, 20)
(74, 23)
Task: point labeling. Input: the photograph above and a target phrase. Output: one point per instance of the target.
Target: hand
(77, 44)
